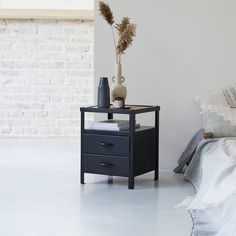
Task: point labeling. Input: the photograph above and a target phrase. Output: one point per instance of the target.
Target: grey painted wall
(182, 49)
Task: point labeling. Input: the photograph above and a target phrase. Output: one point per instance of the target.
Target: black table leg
(131, 182)
(110, 116)
(82, 177)
(156, 177)
(110, 179)
(81, 159)
(131, 156)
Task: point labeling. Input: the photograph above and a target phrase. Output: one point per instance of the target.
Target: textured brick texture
(46, 74)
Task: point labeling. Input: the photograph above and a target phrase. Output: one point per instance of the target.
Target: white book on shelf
(110, 123)
(113, 125)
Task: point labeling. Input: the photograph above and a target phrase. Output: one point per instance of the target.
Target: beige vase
(118, 90)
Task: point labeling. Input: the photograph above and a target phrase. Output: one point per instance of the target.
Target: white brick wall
(46, 74)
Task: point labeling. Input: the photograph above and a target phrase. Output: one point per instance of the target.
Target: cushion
(211, 98)
(218, 112)
(230, 96)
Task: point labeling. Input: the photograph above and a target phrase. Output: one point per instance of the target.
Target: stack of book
(112, 125)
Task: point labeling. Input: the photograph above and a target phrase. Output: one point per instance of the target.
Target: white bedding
(212, 205)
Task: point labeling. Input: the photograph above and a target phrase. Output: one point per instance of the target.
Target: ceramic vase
(118, 90)
(103, 93)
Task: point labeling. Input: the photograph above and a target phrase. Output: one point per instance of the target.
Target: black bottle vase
(103, 93)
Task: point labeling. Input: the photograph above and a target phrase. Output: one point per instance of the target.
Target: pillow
(219, 116)
(215, 97)
(230, 96)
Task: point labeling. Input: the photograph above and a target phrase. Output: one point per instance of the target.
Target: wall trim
(46, 14)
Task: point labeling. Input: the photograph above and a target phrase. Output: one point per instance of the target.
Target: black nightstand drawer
(98, 164)
(105, 144)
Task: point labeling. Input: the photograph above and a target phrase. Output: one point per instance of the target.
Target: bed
(211, 168)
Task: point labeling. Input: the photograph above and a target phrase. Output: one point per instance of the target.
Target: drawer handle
(106, 164)
(105, 144)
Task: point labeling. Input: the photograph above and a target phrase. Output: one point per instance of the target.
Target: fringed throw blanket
(213, 175)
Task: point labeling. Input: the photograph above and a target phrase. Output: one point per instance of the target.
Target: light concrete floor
(40, 195)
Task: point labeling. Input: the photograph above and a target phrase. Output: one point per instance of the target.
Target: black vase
(103, 93)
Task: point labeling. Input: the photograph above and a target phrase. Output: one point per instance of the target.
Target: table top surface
(129, 109)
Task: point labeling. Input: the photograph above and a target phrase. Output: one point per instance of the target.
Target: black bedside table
(126, 153)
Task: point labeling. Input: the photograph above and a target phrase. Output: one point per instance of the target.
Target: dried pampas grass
(126, 38)
(125, 30)
(106, 12)
(122, 26)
